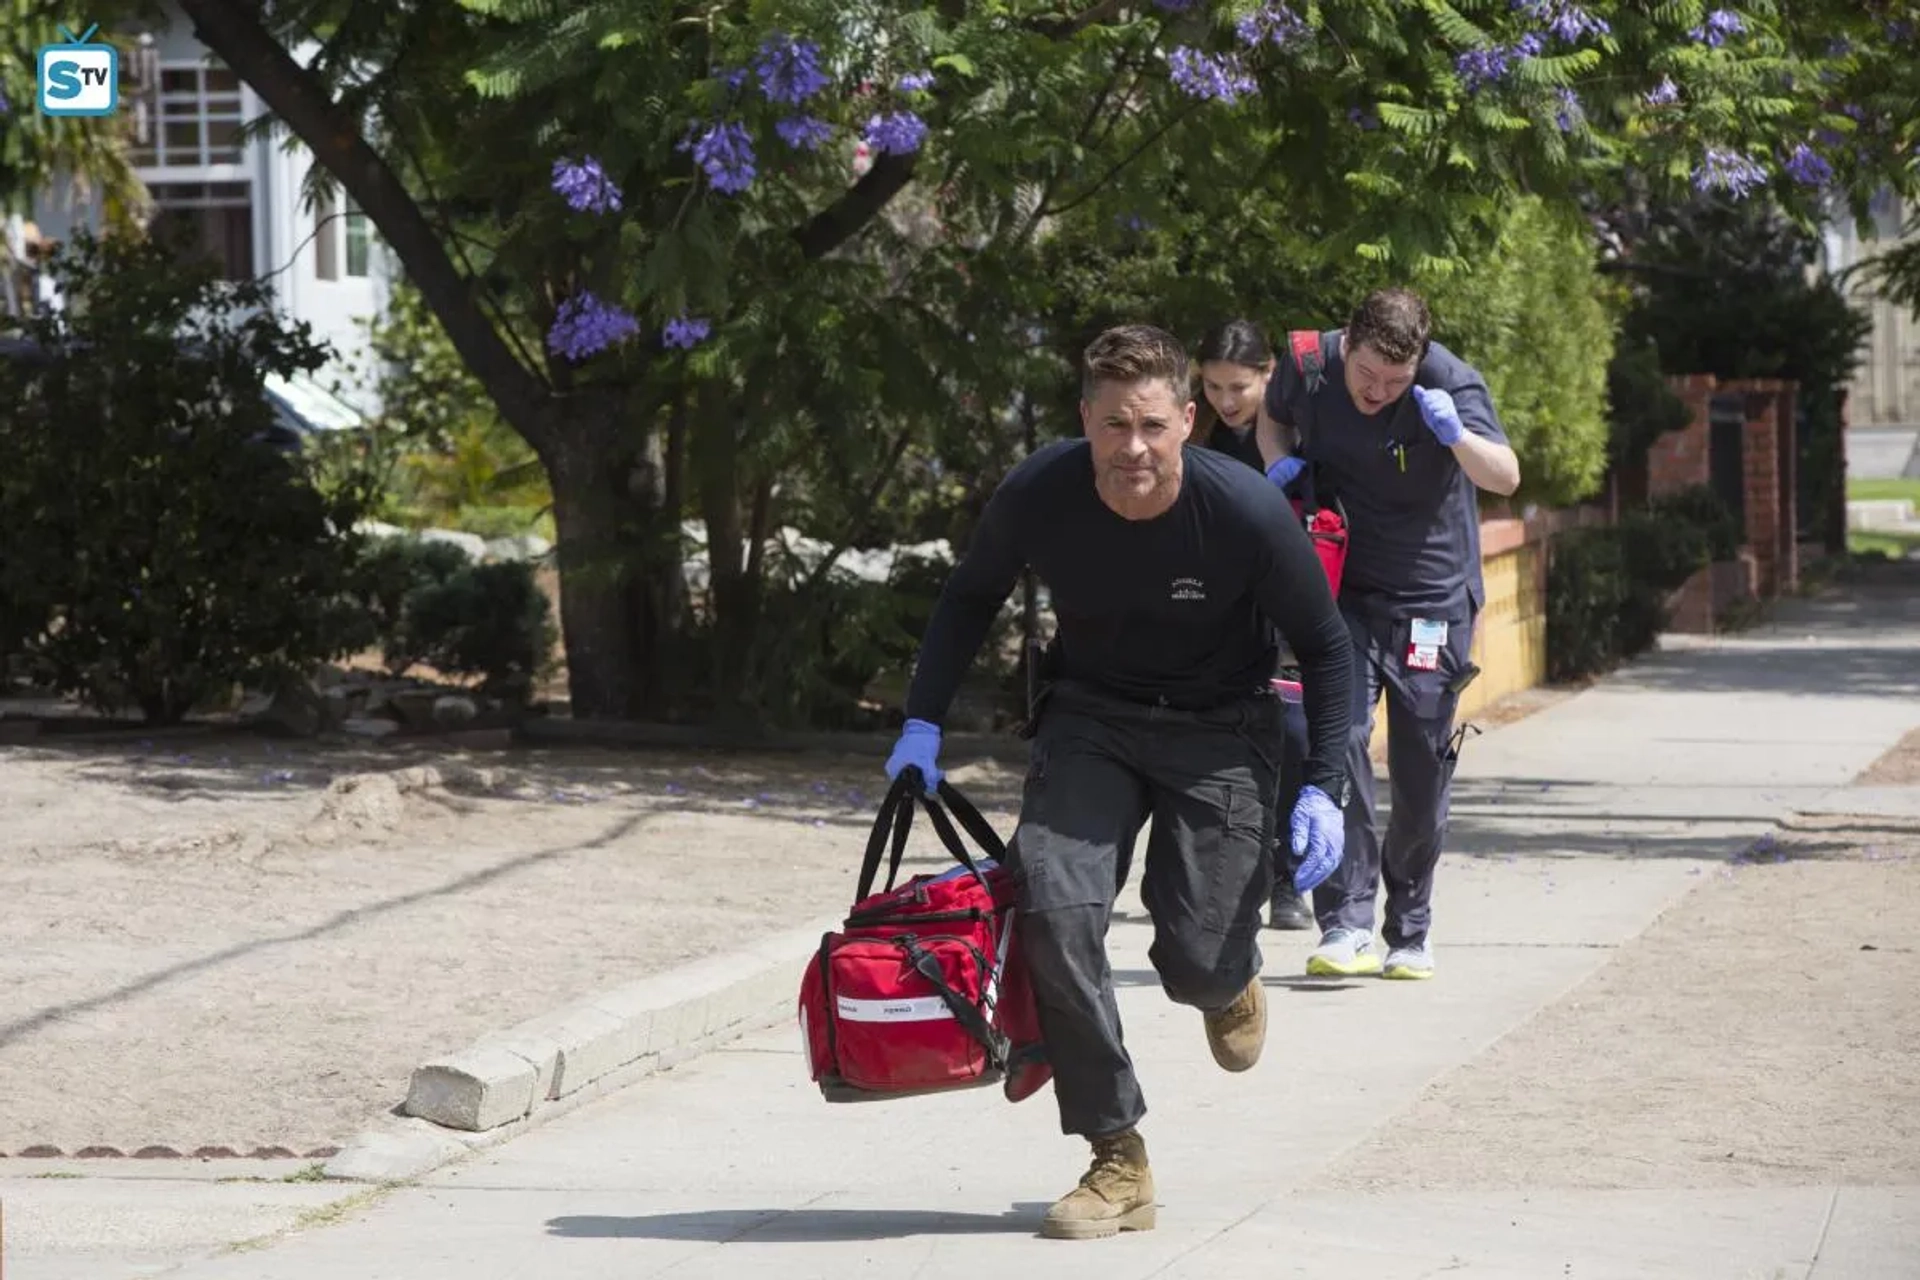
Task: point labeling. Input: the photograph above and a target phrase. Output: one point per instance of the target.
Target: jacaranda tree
(736, 258)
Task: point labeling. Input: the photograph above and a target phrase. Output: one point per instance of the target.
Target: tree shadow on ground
(835, 789)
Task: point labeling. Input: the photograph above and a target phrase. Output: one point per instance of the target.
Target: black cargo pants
(1420, 765)
(1101, 767)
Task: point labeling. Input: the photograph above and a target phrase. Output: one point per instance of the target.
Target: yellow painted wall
(1510, 640)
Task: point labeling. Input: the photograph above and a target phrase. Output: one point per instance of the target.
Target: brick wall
(1787, 441)
(1681, 459)
(1762, 470)
(1769, 467)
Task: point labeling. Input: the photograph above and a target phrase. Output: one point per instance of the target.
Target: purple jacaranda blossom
(584, 326)
(586, 186)
(803, 133)
(1728, 171)
(1808, 167)
(1276, 24)
(1720, 24)
(1219, 77)
(726, 153)
(789, 69)
(895, 133)
(686, 332)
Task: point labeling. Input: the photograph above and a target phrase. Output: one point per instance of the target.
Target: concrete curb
(511, 1080)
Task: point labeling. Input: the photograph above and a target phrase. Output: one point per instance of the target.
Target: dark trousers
(1420, 710)
(1100, 768)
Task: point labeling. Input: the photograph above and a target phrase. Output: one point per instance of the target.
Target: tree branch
(1065, 26)
(869, 503)
(1040, 207)
(847, 216)
(234, 31)
(1139, 150)
(842, 220)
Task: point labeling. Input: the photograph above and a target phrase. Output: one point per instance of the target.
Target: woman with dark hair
(1234, 362)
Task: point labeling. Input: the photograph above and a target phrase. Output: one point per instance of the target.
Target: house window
(359, 239)
(326, 236)
(197, 119)
(207, 219)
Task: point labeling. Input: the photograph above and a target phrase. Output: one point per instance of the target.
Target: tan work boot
(1238, 1033)
(1115, 1195)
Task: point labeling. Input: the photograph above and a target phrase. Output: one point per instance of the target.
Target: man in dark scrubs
(1169, 569)
(1402, 432)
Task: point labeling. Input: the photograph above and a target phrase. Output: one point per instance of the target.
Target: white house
(1883, 400)
(244, 205)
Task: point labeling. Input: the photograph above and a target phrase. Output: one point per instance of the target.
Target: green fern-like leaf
(1455, 27)
(1418, 122)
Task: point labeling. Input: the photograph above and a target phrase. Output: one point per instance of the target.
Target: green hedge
(1608, 586)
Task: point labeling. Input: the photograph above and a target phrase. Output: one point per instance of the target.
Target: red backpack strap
(1311, 364)
(1307, 358)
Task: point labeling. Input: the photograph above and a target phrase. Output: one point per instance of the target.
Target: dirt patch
(1899, 767)
(1763, 1032)
(237, 943)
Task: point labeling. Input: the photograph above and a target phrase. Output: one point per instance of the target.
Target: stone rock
(344, 702)
(454, 710)
(414, 705)
(525, 546)
(297, 710)
(369, 727)
(472, 543)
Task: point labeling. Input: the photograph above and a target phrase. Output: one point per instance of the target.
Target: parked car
(290, 428)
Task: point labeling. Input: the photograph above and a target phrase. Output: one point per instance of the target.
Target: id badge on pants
(1425, 639)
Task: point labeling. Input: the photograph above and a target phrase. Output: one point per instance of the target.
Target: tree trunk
(622, 586)
(733, 558)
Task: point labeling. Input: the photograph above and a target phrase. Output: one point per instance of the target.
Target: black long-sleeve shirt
(1178, 610)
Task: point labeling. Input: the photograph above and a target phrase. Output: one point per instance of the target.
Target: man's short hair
(1135, 353)
(1393, 322)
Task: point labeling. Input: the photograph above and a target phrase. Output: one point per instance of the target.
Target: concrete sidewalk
(1576, 828)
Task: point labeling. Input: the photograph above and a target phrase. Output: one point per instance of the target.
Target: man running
(1165, 564)
(1401, 431)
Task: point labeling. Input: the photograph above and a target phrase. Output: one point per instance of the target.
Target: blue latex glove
(1286, 470)
(918, 748)
(1437, 410)
(1319, 837)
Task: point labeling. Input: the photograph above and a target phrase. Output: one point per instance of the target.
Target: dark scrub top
(1414, 521)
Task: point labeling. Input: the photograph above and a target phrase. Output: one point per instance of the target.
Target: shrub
(391, 571)
(1538, 322)
(1701, 508)
(425, 602)
(169, 549)
(486, 620)
(1608, 586)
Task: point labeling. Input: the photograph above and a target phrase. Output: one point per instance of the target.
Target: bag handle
(896, 818)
